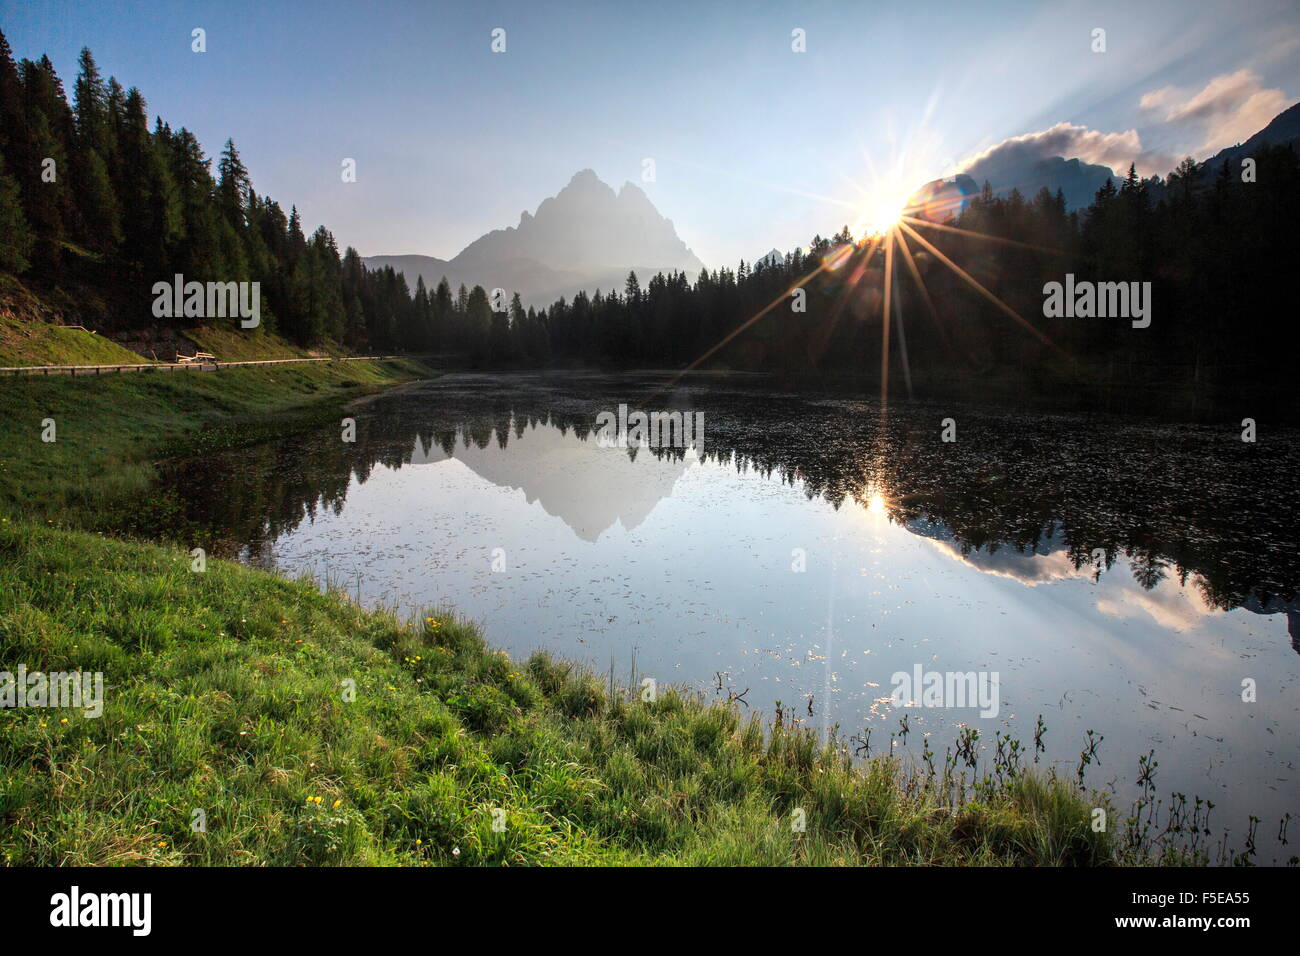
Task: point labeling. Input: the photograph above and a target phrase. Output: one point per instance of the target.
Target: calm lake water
(1118, 577)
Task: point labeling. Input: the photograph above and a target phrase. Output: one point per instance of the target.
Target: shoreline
(585, 773)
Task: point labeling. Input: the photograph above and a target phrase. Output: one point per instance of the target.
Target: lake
(1137, 580)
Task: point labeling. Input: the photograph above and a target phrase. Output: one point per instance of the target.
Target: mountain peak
(586, 236)
(586, 226)
(633, 197)
(585, 179)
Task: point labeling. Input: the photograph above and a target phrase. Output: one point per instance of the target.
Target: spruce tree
(15, 236)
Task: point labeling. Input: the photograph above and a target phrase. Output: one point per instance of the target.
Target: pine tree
(47, 198)
(91, 101)
(196, 254)
(152, 217)
(478, 322)
(442, 315)
(101, 217)
(232, 183)
(15, 236)
(15, 137)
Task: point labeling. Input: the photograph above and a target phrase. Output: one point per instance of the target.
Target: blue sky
(754, 145)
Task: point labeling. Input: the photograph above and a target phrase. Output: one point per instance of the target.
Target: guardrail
(192, 366)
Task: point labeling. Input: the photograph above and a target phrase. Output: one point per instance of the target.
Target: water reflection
(557, 469)
(1120, 577)
(1178, 502)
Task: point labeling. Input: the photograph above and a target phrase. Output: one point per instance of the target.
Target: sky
(755, 145)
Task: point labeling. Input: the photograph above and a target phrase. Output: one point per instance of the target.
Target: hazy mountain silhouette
(585, 237)
(588, 487)
(1019, 167)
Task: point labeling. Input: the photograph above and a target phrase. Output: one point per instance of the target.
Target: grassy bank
(225, 692)
(240, 345)
(39, 343)
(109, 430)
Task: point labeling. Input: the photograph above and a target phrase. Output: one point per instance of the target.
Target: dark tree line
(1217, 249)
(95, 207)
(130, 205)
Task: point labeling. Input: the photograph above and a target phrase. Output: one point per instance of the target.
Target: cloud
(1158, 99)
(1070, 140)
(1029, 568)
(1286, 39)
(1172, 605)
(1229, 109)
(1178, 608)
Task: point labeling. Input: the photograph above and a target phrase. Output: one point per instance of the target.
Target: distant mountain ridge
(1282, 130)
(1077, 180)
(585, 237)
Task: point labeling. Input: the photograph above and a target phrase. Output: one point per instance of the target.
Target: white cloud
(1158, 99)
(1070, 140)
(1028, 567)
(1229, 109)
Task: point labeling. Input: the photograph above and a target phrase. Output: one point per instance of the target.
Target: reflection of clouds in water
(588, 487)
(1173, 606)
(1030, 569)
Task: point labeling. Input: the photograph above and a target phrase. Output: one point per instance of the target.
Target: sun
(881, 211)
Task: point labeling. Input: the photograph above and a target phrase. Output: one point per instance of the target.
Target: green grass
(32, 332)
(224, 691)
(230, 344)
(110, 430)
(38, 343)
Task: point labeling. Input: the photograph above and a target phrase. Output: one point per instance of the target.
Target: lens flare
(882, 212)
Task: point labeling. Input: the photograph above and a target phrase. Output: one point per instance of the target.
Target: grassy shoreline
(109, 431)
(225, 692)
